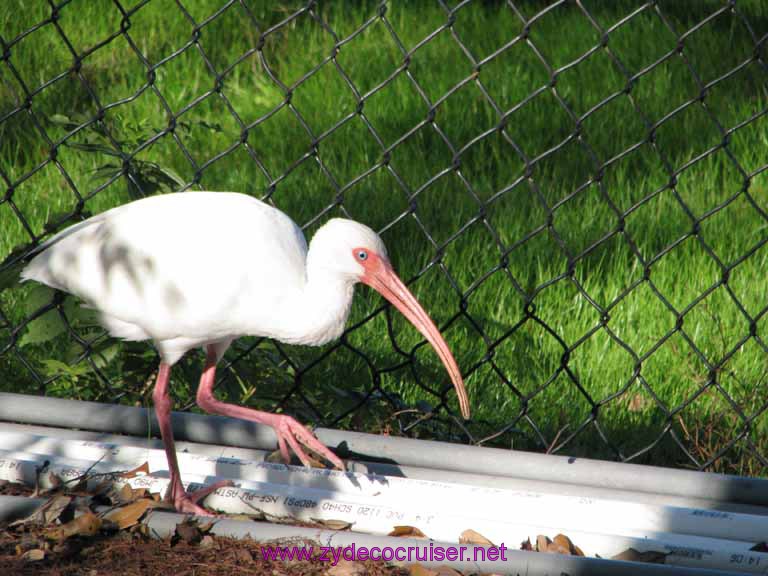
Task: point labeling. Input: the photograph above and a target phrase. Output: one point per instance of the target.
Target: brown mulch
(134, 553)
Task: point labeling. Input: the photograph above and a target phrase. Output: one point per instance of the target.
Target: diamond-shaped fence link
(574, 190)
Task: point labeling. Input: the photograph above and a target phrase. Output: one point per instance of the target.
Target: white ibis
(199, 269)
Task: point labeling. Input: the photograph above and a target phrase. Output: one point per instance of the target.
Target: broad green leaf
(55, 367)
(40, 295)
(43, 329)
(104, 352)
(171, 175)
(50, 325)
(80, 316)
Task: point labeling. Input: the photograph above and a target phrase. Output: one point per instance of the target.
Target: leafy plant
(50, 330)
(143, 177)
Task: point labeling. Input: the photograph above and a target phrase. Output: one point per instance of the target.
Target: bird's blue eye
(362, 255)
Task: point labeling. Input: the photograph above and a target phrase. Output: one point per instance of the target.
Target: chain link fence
(581, 185)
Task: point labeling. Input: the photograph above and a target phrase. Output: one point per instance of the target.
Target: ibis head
(355, 252)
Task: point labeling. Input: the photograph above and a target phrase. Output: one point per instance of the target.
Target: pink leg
(289, 432)
(181, 500)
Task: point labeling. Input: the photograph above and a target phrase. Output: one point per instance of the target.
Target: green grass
(632, 410)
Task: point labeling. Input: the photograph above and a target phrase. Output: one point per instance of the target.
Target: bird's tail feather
(37, 268)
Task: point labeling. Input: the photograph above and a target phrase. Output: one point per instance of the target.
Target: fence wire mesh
(574, 191)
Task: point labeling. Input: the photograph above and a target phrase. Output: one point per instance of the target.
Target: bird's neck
(318, 312)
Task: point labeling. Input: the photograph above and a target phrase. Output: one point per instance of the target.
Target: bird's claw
(187, 502)
(185, 505)
(290, 432)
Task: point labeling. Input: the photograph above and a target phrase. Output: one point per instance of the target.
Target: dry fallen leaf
(103, 488)
(315, 463)
(332, 524)
(26, 543)
(127, 516)
(243, 556)
(565, 543)
(346, 568)
(241, 517)
(472, 537)
(33, 555)
(48, 512)
(407, 532)
(51, 510)
(122, 495)
(636, 403)
(542, 543)
(86, 525)
(141, 470)
(419, 570)
(274, 457)
(188, 532)
(66, 547)
(54, 481)
(632, 555)
(561, 544)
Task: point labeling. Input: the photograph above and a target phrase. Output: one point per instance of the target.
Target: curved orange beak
(380, 276)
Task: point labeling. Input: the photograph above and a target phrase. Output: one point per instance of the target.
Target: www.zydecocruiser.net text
(426, 553)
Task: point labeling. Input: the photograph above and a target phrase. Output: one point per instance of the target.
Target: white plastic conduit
(392, 470)
(517, 562)
(438, 455)
(565, 512)
(374, 513)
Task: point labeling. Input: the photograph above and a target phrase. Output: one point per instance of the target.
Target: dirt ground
(131, 554)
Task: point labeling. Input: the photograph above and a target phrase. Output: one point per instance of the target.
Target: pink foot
(187, 502)
(290, 431)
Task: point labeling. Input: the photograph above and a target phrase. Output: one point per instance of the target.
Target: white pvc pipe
(302, 503)
(518, 562)
(565, 512)
(405, 451)
(163, 524)
(390, 470)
